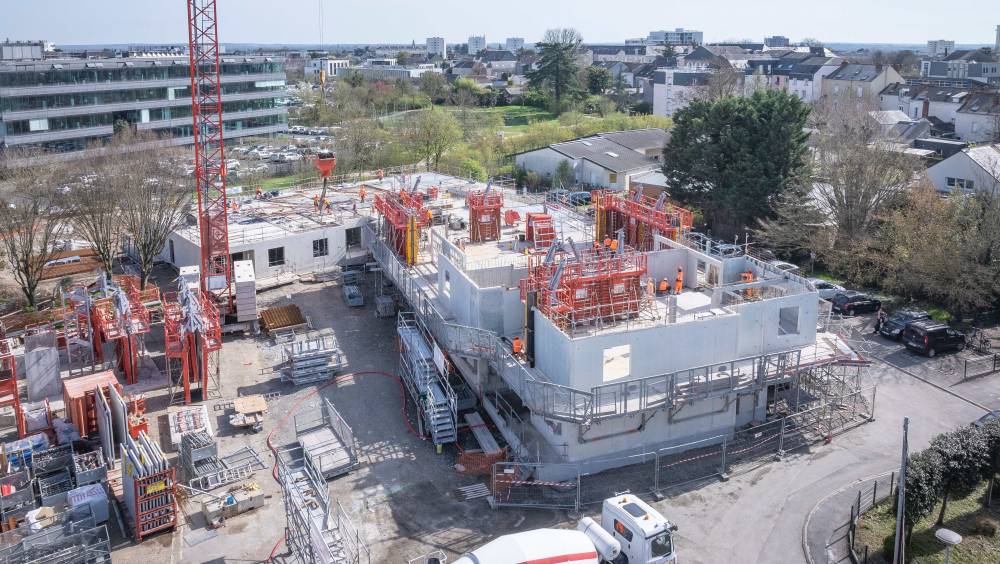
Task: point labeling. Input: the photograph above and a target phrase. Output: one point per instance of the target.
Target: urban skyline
(398, 21)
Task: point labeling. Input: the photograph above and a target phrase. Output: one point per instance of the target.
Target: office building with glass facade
(69, 104)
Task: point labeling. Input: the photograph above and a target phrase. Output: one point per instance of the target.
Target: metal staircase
(427, 386)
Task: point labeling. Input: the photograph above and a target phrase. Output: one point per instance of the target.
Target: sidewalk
(824, 534)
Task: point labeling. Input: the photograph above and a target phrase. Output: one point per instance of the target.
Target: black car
(851, 303)
(893, 326)
(931, 337)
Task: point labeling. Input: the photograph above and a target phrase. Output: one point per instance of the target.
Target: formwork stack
(639, 217)
(540, 230)
(484, 214)
(588, 286)
(148, 486)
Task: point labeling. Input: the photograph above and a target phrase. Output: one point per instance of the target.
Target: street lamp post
(949, 538)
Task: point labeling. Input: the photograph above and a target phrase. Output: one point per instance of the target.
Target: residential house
(468, 67)
(924, 101)
(622, 53)
(800, 73)
(860, 80)
(978, 65)
(605, 160)
(972, 169)
(674, 89)
(498, 62)
(620, 72)
(897, 127)
(978, 120)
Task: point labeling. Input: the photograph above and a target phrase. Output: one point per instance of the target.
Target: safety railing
(574, 485)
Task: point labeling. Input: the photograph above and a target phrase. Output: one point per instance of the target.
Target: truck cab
(646, 537)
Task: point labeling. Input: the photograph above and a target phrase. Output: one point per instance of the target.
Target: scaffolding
(639, 217)
(484, 214)
(193, 336)
(317, 529)
(9, 394)
(592, 286)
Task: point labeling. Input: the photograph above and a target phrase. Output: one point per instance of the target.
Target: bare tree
(726, 81)
(359, 144)
(92, 201)
(31, 215)
(154, 197)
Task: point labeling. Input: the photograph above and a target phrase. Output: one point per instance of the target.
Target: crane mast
(209, 151)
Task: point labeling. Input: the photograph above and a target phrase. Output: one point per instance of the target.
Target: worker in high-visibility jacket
(362, 193)
(516, 346)
(664, 287)
(746, 278)
(614, 245)
(607, 242)
(679, 283)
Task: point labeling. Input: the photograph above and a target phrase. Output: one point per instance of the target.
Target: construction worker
(316, 201)
(515, 346)
(354, 207)
(259, 193)
(664, 287)
(746, 278)
(430, 217)
(607, 242)
(362, 193)
(679, 283)
(614, 245)
(649, 287)
(380, 176)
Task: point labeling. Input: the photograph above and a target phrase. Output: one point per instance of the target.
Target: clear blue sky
(373, 21)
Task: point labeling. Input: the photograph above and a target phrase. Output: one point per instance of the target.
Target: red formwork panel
(484, 215)
(639, 217)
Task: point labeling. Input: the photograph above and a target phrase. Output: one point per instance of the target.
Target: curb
(842, 489)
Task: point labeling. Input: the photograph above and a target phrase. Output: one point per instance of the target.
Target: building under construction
(587, 337)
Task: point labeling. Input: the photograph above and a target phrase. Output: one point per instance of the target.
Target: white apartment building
(674, 89)
(477, 43)
(327, 66)
(679, 36)
(940, 47)
(513, 44)
(437, 47)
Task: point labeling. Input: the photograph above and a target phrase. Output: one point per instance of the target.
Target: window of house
(353, 237)
(170, 243)
(951, 181)
(788, 320)
(321, 248)
(861, 91)
(276, 256)
(613, 177)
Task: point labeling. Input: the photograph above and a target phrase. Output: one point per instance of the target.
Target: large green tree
(964, 452)
(598, 80)
(557, 68)
(429, 133)
(734, 157)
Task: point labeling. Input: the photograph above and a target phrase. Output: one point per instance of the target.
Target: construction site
(404, 368)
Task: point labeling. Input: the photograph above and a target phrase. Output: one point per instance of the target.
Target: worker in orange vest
(664, 286)
(679, 284)
(614, 245)
(515, 345)
(316, 201)
(362, 193)
(380, 176)
(607, 242)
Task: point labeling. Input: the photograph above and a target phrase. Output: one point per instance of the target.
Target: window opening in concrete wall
(617, 362)
(447, 283)
(788, 320)
(353, 237)
(321, 248)
(276, 256)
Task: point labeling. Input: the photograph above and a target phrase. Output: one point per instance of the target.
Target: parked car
(579, 198)
(895, 323)
(784, 266)
(827, 290)
(982, 421)
(852, 303)
(930, 337)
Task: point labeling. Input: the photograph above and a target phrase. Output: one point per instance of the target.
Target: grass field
(967, 517)
(516, 119)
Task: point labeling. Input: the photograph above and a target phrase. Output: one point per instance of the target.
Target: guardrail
(981, 366)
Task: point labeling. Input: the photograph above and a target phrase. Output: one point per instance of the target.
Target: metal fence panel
(515, 484)
(690, 462)
(754, 446)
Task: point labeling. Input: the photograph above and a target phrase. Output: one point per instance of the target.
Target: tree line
(124, 198)
(822, 184)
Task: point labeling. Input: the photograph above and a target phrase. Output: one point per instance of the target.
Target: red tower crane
(209, 150)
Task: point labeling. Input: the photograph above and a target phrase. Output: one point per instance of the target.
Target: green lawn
(280, 182)
(967, 517)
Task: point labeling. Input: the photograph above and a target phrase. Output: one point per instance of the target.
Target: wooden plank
(250, 404)
(282, 317)
(483, 435)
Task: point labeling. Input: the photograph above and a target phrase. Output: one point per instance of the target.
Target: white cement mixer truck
(630, 532)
